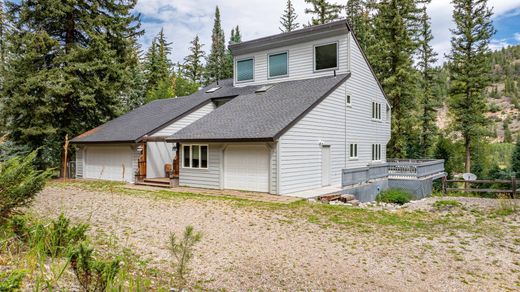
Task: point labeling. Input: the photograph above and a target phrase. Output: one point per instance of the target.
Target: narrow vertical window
(204, 156)
(353, 151)
(195, 153)
(186, 155)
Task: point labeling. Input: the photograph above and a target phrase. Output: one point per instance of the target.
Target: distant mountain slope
(502, 97)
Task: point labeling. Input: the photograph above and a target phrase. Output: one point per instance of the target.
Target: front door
(325, 165)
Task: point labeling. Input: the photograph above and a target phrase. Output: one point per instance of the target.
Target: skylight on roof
(211, 90)
(264, 88)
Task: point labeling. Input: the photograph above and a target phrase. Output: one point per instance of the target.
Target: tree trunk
(467, 163)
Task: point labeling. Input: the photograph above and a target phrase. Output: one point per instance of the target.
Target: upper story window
(376, 111)
(278, 65)
(245, 70)
(326, 57)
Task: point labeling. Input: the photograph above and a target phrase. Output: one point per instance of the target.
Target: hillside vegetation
(502, 96)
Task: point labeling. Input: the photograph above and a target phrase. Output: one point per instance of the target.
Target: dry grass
(256, 245)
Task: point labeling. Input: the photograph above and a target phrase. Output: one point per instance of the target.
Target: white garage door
(109, 163)
(246, 168)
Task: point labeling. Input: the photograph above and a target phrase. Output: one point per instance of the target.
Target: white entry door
(246, 168)
(325, 165)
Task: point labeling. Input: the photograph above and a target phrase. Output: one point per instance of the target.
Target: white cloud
(183, 19)
(517, 36)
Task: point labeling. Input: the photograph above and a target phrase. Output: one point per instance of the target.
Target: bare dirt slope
(300, 246)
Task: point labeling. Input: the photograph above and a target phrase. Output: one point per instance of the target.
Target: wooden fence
(512, 190)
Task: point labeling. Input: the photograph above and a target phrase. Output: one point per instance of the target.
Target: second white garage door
(109, 163)
(246, 168)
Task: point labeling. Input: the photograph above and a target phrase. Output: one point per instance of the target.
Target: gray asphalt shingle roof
(148, 118)
(261, 116)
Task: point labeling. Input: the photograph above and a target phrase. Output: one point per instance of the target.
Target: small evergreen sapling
(19, 184)
(182, 251)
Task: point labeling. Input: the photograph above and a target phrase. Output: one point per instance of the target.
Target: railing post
(444, 185)
(513, 186)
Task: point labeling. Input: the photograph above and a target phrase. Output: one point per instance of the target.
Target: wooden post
(65, 154)
(513, 186)
(444, 185)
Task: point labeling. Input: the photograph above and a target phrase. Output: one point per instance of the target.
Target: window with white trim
(376, 152)
(278, 65)
(245, 70)
(376, 111)
(326, 57)
(353, 151)
(195, 156)
(348, 99)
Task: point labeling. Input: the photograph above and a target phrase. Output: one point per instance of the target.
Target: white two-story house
(302, 107)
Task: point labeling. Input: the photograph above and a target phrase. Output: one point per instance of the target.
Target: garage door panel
(246, 168)
(109, 163)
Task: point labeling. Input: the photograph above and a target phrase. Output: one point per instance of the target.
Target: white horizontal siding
(185, 121)
(301, 61)
(79, 162)
(300, 150)
(334, 123)
(363, 89)
(204, 178)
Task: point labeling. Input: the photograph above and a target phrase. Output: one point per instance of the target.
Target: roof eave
(219, 140)
(290, 38)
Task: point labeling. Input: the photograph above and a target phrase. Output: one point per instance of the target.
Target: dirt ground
(262, 247)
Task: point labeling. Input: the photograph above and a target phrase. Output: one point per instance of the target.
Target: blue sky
(183, 19)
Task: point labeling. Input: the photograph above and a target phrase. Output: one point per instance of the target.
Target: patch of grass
(394, 196)
(446, 204)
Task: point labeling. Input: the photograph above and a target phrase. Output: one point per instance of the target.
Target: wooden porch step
(164, 181)
(152, 184)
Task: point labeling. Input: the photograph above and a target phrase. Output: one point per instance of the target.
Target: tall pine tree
(429, 100)
(158, 69)
(469, 71)
(69, 65)
(392, 59)
(323, 11)
(288, 19)
(216, 68)
(359, 16)
(193, 66)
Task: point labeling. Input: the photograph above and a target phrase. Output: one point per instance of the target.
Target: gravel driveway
(256, 248)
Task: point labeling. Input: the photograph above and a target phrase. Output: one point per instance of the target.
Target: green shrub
(182, 250)
(11, 281)
(19, 184)
(92, 274)
(54, 239)
(394, 196)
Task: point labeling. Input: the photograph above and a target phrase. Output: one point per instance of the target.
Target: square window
(326, 57)
(245, 70)
(278, 65)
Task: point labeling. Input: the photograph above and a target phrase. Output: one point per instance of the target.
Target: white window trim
(268, 65)
(356, 145)
(314, 57)
(376, 155)
(236, 67)
(379, 106)
(347, 94)
(191, 156)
